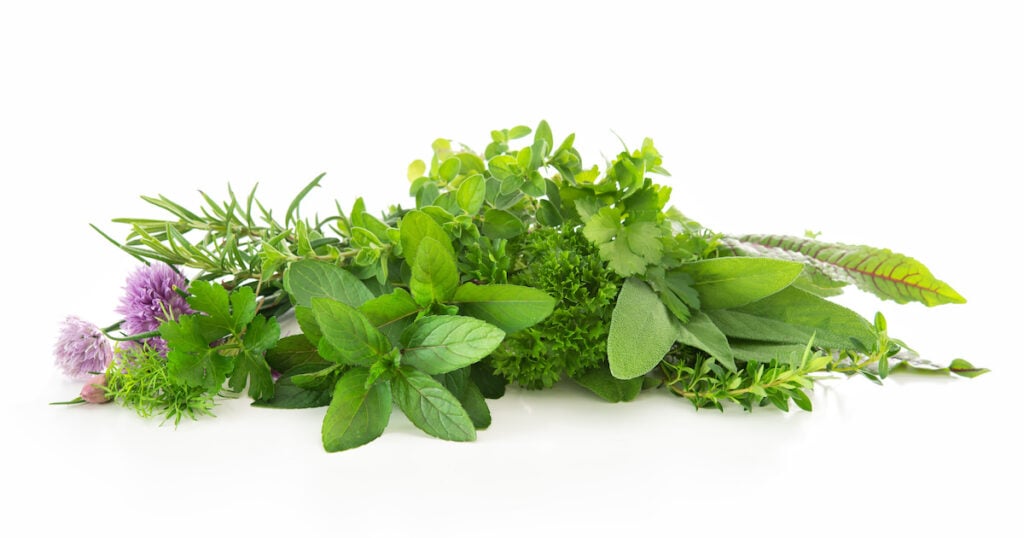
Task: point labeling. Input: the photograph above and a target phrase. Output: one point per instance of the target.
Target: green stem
(132, 337)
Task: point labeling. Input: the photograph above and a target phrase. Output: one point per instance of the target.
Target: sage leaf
(640, 333)
(793, 316)
(736, 281)
(700, 332)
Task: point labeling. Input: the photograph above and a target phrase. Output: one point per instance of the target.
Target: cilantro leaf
(190, 359)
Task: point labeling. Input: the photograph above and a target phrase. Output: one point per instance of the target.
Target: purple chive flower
(150, 299)
(82, 348)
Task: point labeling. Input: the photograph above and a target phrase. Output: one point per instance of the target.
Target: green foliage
(518, 264)
(440, 344)
(357, 413)
(691, 374)
(512, 308)
(641, 331)
(138, 378)
(563, 264)
(733, 282)
(306, 279)
(601, 382)
(882, 272)
(224, 339)
(430, 407)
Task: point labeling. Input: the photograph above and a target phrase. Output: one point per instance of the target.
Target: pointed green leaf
(391, 313)
(501, 224)
(292, 352)
(307, 279)
(356, 415)
(793, 316)
(430, 407)
(417, 225)
(348, 337)
(886, 274)
(641, 332)
(471, 193)
(543, 134)
(439, 344)
(434, 275)
(700, 332)
(307, 322)
(601, 382)
(736, 281)
(765, 352)
(964, 368)
(287, 395)
(510, 307)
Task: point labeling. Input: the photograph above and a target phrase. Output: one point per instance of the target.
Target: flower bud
(94, 390)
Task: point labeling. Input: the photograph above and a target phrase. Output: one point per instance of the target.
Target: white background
(891, 123)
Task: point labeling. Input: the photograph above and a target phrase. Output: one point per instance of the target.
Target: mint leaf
(391, 313)
(292, 352)
(430, 407)
(307, 322)
(434, 275)
(288, 395)
(641, 332)
(306, 279)
(461, 385)
(510, 307)
(348, 337)
(357, 414)
(439, 344)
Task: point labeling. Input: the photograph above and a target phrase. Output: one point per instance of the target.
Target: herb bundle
(519, 265)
